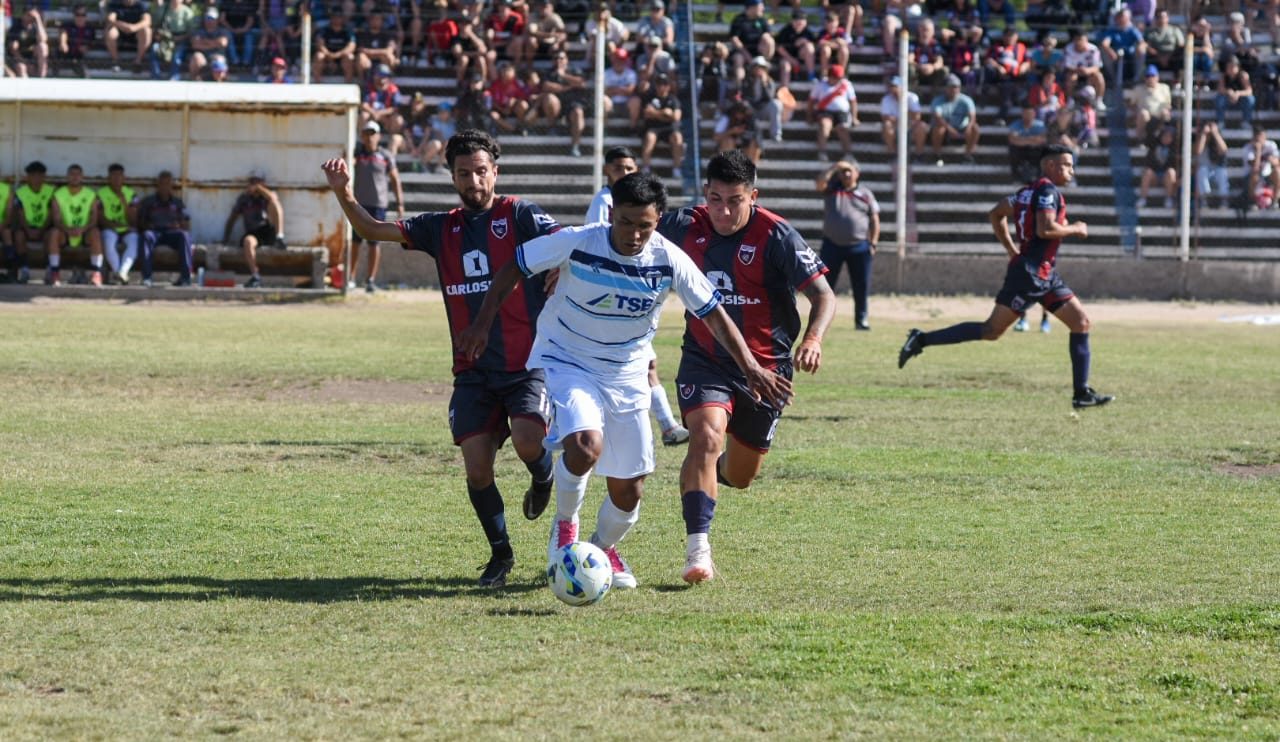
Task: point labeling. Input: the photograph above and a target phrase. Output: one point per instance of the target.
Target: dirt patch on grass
(1249, 471)
(362, 391)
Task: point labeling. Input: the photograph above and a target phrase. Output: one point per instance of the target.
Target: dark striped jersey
(1038, 255)
(757, 271)
(469, 247)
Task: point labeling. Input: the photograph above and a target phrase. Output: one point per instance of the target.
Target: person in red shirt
(510, 99)
(1047, 97)
(501, 28)
(1007, 64)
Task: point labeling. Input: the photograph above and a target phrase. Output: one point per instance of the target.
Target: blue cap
(1152, 71)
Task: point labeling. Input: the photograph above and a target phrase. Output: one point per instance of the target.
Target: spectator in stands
(163, 220)
(279, 74)
(796, 47)
(211, 38)
(958, 16)
(833, 44)
(928, 62)
(761, 93)
(661, 122)
(1046, 96)
(713, 76)
(615, 34)
(1002, 9)
(848, 14)
(74, 213)
(218, 69)
(1123, 48)
(565, 91)
(653, 61)
(440, 127)
(896, 12)
(1082, 65)
(471, 109)
(1027, 137)
(29, 45)
(657, 24)
(129, 25)
(240, 18)
(469, 49)
(502, 30)
(172, 23)
(966, 56)
(263, 216)
(1210, 151)
(833, 105)
(749, 37)
(381, 104)
(118, 222)
(375, 170)
(1165, 43)
(375, 46)
(1047, 15)
(955, 119)
(1046, 55)
(544, 35)
(336, 44)
(1078, 123)
(735, 128)
(1150, 103)
(1235, 90)
(1006, 65)
(917, 129)
(32, 200)
(75, 40)
(509, 99)
(620, 87)
(850, 231)
(441, 34)
(1262, 169)
(1162, 164)
(273, 19)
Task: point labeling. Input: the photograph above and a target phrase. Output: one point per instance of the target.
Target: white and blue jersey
(601, 209)
(605, 309)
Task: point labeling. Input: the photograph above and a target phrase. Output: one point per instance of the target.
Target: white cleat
(676, 436)
(623, 579)
(698, 566)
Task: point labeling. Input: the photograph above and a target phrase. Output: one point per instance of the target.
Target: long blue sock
(699, 509)
(491, 512)
(961, 333)
(541, 468)
(1078, 344)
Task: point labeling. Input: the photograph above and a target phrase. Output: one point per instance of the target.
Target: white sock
(571, 490)
(95, 261)
(697, 541)
(661, 407)
(55, 262)
(613, 523)
(130, 251)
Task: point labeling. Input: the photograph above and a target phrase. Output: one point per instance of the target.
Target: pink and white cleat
(698, 566)
(563, 533)
(623, 579)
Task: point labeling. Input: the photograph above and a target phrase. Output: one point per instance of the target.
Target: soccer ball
(580, 574)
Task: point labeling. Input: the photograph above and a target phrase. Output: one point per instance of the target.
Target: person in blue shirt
(1123, 48)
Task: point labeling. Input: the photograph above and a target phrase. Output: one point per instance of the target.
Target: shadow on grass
(287, 589)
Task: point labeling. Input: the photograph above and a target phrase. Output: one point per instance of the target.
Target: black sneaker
(862, 324)
(1087, 397)
(911, 348)
(254, 282)
(495, 572)
(536, 499)
(183, 281)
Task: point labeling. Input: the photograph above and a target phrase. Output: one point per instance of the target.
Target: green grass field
(249, 521)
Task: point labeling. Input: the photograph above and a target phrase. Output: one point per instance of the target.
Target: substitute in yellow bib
(12, 267)
(119, 223)
(33, 200)
(75, 224)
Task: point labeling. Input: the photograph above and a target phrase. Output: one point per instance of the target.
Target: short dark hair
(640, 189)
(115, 167)
(732, 167)
(36, 166)
(74, 166)
(469, 142)
(618, 153)
(164, 174)
(1054, 150)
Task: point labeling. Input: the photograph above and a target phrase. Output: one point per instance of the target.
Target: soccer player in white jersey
(594, 341)
(618, 163)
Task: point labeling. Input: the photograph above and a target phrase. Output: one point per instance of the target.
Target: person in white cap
(375, 168)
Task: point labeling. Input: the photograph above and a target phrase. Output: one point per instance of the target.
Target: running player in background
(494, 395)
(1039, 213)
(619, 162)
(594, 342)
(757, 261)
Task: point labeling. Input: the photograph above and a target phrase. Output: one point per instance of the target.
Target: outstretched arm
(335, 171)
(822, 310)
(772, 388)
(472, 341)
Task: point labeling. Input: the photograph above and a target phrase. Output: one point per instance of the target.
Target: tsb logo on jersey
(632, 305)
(475, 264)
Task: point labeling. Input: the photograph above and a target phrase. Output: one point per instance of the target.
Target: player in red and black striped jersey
(494, 395)
(1038, 212)
(758, 262)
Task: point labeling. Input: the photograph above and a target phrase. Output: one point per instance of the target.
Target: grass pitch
(249, 521)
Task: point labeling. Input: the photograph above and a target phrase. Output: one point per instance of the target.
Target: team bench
(309, 263)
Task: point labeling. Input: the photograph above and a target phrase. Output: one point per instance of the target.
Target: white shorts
(619, 410)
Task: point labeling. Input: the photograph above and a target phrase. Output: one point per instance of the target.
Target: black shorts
(839, 118)
(663, 133)
(484, 401)
(700, 382)
(265, 235)
(1022, 288)
(377, 213)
